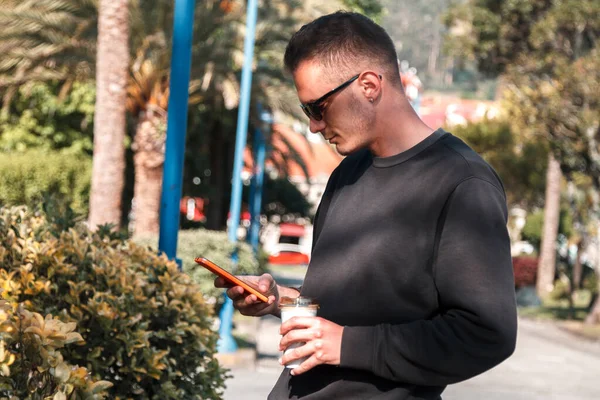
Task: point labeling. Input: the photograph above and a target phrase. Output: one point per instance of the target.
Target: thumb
(266, 283)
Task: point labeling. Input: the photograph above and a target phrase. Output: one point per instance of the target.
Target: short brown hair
(340, 41)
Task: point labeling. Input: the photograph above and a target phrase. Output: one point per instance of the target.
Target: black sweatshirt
(412, 256)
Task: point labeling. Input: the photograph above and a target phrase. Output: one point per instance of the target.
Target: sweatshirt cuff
(357, 347)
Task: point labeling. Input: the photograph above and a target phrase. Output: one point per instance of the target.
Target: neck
(398, 130)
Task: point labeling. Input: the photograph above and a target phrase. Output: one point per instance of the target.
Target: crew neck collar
(383, 162)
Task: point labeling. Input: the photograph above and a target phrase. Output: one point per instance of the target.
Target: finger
(222, 283)
(311, 350)
(299, 335)
(251, 299)
(235, 293)
(266, 283)
(298, 323)
(244, 300)
(297, 353)
(253, 310)
(309, 364)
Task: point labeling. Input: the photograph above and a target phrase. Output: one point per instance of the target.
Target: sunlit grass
(569, 319)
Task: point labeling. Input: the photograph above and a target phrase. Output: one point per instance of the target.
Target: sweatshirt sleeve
(476, 326)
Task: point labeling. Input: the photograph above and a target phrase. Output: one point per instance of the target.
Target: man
(411, 259)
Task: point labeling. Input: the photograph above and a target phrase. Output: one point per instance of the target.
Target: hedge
(29, 177)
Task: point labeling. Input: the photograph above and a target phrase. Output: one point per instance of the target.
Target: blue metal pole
(257, 198)
(252, 194)
(258, 178)
(226, 342)
(181, 60)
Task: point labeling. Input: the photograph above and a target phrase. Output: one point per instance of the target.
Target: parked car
(290, 254)
(288, 244)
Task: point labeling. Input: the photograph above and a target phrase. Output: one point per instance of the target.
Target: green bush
(31, 363)
(215, 246)
(39, 117)
(590, 282)
(28, 177)
(146, 326)
(560, 290)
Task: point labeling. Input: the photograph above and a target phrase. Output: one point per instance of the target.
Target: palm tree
(46, 40)
(112, 66)
(148, 92)
(547, 262)
(147, 100)
(217, 60)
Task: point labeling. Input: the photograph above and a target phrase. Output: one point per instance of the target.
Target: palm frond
(46, 39)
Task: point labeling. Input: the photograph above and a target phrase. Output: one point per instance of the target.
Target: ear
(370, 85)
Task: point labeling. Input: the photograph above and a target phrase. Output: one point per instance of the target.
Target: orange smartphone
(215, 269)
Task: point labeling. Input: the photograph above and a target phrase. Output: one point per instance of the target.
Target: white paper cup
(299, 307)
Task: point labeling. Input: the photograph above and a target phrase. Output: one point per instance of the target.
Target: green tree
(418, 33)
(520, 163)
(214, 90)
(44, 41)
(547, 52)
(371, 8)
(39, 118)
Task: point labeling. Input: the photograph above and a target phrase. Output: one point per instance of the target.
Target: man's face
(346, 118)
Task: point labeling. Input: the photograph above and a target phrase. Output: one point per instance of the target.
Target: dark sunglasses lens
(303, 107)
(313, 112)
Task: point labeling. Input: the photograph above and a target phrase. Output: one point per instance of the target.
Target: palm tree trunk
(149, 158)
(547, 263)
(578, 267)
(109, 121)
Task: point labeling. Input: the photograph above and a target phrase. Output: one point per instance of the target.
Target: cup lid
(299, 301)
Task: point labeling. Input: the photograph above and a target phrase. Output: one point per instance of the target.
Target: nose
(317, 126)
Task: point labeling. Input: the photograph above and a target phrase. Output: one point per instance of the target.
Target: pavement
(549, 363)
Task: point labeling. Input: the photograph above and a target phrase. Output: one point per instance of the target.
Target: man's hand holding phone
(251, 295)
(248, 303)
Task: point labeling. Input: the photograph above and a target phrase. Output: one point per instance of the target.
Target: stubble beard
(363, 119)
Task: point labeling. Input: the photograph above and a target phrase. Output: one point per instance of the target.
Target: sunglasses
(314, 109)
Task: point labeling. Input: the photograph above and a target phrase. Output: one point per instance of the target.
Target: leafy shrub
(31, 364)
(28, 177)
(560, 290)
(590, 282)
(215, 246)
(146, 326)
(525, 270)
(41, 118)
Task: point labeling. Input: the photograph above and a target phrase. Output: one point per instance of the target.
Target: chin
(345, 150)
